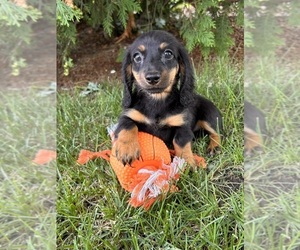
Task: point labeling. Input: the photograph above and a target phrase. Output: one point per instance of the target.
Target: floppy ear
(186, 78)
(127, 79)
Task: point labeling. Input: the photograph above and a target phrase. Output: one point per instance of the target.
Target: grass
(272, 197)
(92, 208)
(27, 193)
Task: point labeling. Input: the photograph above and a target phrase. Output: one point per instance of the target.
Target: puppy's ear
(127, 78)
(187, 81)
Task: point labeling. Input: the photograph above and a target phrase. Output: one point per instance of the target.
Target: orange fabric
(44, 156)
(86, 155)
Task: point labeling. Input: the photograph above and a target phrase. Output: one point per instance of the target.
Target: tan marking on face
(129, 70)
(140, 78)
(173, 120)
(215, 140)
(163, 45)
(185, 153)
(169, 77)
(160, 96)
(142, 47)
(137, 116)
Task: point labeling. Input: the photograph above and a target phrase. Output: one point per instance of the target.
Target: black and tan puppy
(254, 128)
(159, 99)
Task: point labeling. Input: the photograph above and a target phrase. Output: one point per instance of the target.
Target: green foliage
(294, 18)
(15, 24)
(67, 18)
(94, 13)
(16, 29)
(13, 15)
(267, 35)
(248, 36)
(105, 12)
(208, 24)
(262, 32)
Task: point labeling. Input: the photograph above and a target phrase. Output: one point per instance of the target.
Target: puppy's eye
(168, 54)
(138, 57)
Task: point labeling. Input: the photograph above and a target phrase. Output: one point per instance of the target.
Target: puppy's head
(154, 63)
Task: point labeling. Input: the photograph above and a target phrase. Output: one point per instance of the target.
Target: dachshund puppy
(254, 128)
(159, 99)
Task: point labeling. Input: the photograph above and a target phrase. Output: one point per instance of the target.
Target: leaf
(92, 87)
(49, 91)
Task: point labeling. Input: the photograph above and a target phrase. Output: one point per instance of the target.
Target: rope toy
(151, 176)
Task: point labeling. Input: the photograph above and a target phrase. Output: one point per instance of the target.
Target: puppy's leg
(208, 118)
(254, 128)
(253, 141)
(182, 143)
(127, 148)
(214, 137)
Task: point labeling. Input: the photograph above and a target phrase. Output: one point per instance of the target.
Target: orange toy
(148, 178)
(44, 156)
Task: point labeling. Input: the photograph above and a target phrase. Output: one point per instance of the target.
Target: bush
(16, 25)
(207, 24)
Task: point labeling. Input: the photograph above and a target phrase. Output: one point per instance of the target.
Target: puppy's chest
(157, 119)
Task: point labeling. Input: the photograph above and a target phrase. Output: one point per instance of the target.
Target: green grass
(272, 197)
(27, 191)
(92, 208)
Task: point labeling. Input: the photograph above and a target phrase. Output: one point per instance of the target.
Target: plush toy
(151, 176)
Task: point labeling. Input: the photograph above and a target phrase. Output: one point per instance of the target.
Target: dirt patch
(95, 59)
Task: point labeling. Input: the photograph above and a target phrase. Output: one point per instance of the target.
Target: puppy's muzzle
(152, 78)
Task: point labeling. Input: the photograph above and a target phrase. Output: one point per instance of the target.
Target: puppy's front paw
(185, 153)
(127, 148)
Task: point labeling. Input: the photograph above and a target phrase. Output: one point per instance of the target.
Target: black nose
(152, 77)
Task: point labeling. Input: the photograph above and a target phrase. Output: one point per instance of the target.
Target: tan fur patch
(168, 76)
(163, 45)
(126, 147)
(185, 153)
(160, 96)
(215, 140)
(142, 47)
(252, 139)
(140, 79)
(129, 70)
(137, 116)
(173, 120)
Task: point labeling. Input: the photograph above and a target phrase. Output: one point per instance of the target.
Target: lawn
(92, 208)
(272, 194)
(27, 191)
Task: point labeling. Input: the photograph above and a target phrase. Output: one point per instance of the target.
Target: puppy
(254, 128)
(159, 99)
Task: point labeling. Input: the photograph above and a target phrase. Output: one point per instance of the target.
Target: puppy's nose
(152, 77)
